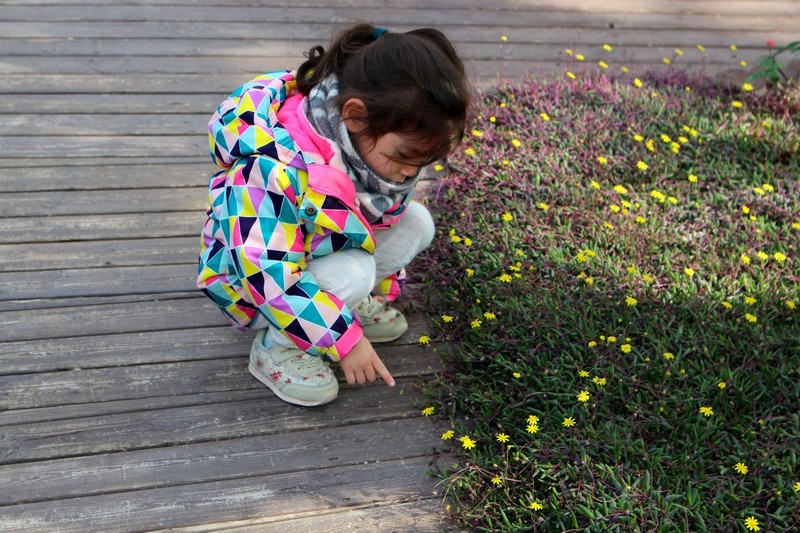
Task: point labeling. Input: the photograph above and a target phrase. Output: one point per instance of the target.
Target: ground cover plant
(614, 294)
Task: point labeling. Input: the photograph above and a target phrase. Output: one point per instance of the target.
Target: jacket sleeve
(267, 246)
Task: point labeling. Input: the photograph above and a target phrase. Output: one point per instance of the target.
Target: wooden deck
(125, 404)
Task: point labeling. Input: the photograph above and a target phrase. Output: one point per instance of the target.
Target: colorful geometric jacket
(282, 198)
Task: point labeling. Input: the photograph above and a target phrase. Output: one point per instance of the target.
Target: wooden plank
(96, 254)
(737, 16)
(102, 227)
(85, 386)
(209, 461)
(111, 124)
(87, 282)
(64, 38)
(262, 415)
(147, 347)
(27, 103)
(106, 146)
(104, 202)
(418, 516)
(261, 496)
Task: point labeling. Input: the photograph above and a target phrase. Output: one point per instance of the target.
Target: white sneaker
(381, 323)
(292, 374)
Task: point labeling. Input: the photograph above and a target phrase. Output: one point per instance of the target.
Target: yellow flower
(475, 324)
(597, 380)
(737, 104)
(611, 339)
(505, 278)
(668, 356)
(532, 429)
(592, 344)
(797, 487)
(447, 319)
(751, 318)
(620, 189)
(470, 272)
(589, 280)
(767, 187)
(607, 47)
(650, 145)
(583, 374)
(447, 435)
(638, 82)
(533, 419)
(751, 523)
(579, 57)
(762, 256)
(688, 271)
(467, 442)
(692, 178)
(638, 138)
(596, 185)
(602, 160)
(583, 396)
(570, 75)
(438, 167)
(517, 375)
(640, 220)
(740, 468)
(791, 304)
(706, 411)
(424, 339)
(543, 206)
(477, 133)
(630, 300)
(568, 422)
(469, 151)
(507, 217)
(749, 300)
(667, 61)
(625, 348)
(488, 315)
(428, 411)
(516, 143)
(504, 38)
(745, 259)
(779, 257)
(467, 241)
(722, 385)
(678, 52)
(701, 47)
(602, 64)
(497, 480)
(536, 506)
(727, 305)
(502, 437)
(641, 165)
(734, 48)
(747, 87)
(545, 117)
(624, 69)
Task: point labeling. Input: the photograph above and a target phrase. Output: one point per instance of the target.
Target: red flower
(770, 43)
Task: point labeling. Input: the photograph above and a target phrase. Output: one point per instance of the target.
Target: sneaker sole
(279, 394)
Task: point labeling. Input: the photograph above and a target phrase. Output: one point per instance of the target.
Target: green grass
(562, 267)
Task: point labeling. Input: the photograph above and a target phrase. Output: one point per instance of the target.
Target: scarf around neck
(375, 194)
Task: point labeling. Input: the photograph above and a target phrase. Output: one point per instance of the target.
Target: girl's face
(392, 155)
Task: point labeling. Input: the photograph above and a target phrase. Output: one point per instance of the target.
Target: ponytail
(411, 83)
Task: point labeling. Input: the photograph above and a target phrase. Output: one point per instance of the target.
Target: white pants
(352, 274)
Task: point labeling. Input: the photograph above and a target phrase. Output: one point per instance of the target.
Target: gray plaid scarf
(375, 194)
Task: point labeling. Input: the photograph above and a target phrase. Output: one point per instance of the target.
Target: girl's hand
(362, 364)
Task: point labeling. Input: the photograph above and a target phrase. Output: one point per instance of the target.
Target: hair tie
(377, 32)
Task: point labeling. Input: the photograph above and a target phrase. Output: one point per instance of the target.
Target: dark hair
(411, 83)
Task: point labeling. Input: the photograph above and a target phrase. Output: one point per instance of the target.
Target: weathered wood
(290, 493)
(95, 254)
(209, 461)
(418, 516)
(180, 378)
(264, 414)
(104, 202)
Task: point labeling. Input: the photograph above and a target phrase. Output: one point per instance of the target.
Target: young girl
(312, 215)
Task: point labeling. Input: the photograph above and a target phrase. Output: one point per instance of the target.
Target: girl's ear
(354, 115)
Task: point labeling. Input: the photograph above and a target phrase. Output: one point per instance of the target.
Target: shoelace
(307, 362)
(369, 307)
